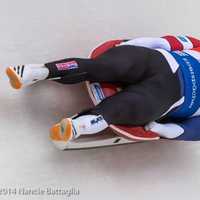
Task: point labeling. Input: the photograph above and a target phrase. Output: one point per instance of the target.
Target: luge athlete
(160, 79)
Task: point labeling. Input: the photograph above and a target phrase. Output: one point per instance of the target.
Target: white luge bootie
(24, 75)
(69, 129)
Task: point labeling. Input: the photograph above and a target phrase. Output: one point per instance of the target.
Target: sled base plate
(105, 139)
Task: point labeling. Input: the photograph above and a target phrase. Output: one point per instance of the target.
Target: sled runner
(118, 134)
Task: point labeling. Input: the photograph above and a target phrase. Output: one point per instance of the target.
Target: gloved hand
(168, 130)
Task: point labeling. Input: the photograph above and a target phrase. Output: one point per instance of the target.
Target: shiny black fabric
(150, 87)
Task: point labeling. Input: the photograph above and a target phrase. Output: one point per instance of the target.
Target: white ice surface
(36, 31)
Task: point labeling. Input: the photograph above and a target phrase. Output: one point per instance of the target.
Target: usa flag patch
(67, 65)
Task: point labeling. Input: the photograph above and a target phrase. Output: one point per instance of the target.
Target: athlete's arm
(169, 42)
(188, 130)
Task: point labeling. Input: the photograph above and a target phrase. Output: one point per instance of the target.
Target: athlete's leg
(133, 106)
(126, 64)
(136, 105)
(123, 64)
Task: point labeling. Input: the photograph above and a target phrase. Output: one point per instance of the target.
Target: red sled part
(100, 91)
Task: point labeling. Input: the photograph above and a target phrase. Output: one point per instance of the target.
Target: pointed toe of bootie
(61, 133)
(14, 78)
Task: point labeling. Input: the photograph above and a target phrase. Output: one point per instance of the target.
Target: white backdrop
(38, 31)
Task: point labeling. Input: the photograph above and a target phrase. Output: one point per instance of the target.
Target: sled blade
(97, 141)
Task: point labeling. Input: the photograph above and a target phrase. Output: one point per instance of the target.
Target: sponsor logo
(182, 38)
(67, 65)
(97, 92)
(97, 120)
(181, 53)
(193, 80)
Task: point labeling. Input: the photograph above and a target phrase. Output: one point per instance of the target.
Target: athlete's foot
(71, 128)
(24, 75)
(62, 133)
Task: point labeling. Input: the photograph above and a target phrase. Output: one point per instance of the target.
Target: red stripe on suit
(174, 43)
(195, 42)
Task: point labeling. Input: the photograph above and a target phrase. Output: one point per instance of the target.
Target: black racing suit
(149, 86)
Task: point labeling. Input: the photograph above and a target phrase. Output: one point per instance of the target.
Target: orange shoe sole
(15, 80)
(62, 131)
